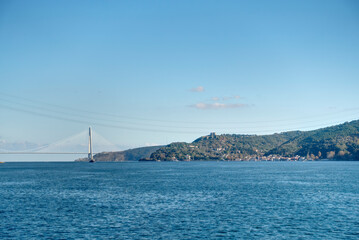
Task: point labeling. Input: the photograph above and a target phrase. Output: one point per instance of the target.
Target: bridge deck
(44, 153)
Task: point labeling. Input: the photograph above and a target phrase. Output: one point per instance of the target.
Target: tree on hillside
(330, 154)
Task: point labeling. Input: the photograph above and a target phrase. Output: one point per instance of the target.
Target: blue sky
(155, 72)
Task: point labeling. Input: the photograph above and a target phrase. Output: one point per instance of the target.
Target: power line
(144, 127)
(165, 121)
(94, 123)
(154, 130)
(89, 117)
(134, 125)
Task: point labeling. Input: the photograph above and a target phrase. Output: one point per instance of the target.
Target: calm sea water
(180, 200)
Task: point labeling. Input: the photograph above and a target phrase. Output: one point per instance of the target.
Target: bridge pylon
(90, 155)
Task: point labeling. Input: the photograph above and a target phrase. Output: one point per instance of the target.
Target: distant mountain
(6, 146)
(127, 155)
(339, 142)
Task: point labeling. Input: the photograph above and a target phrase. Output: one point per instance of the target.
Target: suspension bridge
(74, 145)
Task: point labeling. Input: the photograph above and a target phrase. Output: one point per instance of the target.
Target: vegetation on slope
(337, 142)
(127, 155)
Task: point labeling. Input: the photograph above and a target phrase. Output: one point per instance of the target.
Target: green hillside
(339, 142)
(127, 155)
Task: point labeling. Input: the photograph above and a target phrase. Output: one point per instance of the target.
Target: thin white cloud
(206, 106)
(152, 144)
(216, 99)
(197, 89)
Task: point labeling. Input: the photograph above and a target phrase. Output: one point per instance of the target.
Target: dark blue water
(180, 200)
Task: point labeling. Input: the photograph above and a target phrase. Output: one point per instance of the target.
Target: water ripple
(196, 200)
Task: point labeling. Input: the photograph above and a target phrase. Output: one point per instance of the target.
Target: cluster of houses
(273, 158)
(252, 158)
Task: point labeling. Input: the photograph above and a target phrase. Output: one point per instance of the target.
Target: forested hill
(128, 155)
(340, 142)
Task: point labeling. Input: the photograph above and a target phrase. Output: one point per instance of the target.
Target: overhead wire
(94, 123)
(175, 121)
(65, 115)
